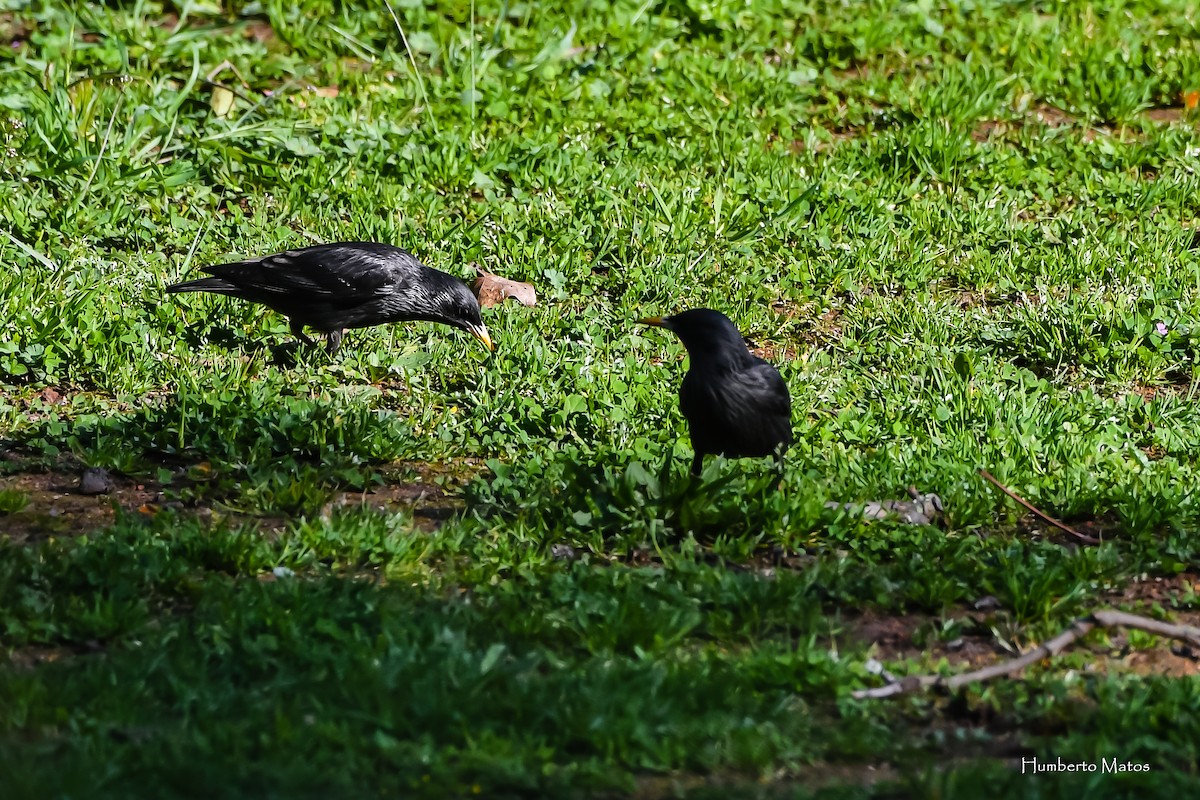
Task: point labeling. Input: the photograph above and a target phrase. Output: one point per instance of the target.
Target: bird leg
(697, 464)
(298, 332)
(335, 341)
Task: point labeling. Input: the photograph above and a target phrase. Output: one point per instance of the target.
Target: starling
(333, 287)
(736, 404)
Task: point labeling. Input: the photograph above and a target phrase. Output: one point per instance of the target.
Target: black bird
(333, 287)
(736, 404)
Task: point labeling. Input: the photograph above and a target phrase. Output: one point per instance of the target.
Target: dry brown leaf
(50, 396)
(258, 30)
(492, 290)
(325, 91)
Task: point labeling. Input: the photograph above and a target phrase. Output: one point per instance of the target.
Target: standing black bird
(332, 287)
(736, 404)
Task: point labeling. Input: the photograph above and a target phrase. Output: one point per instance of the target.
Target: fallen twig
(1062, 526)
(1119, 619)
(1078, 629)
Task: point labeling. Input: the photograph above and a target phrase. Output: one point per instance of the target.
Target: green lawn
(965, 232)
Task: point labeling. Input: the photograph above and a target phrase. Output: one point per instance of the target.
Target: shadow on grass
(285, 354)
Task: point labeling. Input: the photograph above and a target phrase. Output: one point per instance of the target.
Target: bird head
(707, 334)
(457, 306)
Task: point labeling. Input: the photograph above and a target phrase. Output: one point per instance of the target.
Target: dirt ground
(59, 507)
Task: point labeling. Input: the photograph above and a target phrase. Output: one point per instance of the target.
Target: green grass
(964, 232)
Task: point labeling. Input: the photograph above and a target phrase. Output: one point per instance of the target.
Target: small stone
(987, 603)
(95, 480)
(1185, 651)
(562, 552)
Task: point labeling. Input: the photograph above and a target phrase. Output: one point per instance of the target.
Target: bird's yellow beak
(655, 321)
(481, 333)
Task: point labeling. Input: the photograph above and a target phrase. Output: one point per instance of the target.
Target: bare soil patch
(899, 637)
(57, 508)
(775, 352)
(429, 502)
(1163, 590)
(812, 776)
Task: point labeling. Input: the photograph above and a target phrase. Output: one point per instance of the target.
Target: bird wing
(766, 384)
(347, 274)
(748, 409)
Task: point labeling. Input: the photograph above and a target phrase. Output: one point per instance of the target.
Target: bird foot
(334, 342)
(298, 332)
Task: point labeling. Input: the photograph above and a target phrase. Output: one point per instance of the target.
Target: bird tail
(218, 285)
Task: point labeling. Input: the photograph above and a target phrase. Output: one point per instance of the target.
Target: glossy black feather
(333, 287)
(736, 404)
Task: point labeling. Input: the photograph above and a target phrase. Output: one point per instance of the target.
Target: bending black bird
(736, 404)
(333, 287)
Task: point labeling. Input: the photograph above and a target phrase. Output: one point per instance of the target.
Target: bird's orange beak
(480, 332)
(657, 322)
